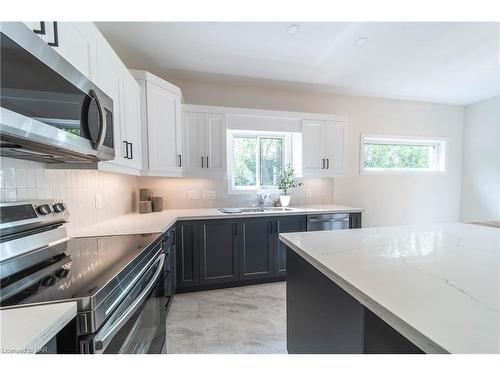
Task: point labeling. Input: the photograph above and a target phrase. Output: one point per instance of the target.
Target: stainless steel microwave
(50, 111)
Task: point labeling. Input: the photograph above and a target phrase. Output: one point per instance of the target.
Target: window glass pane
(245, 161)
(389, 156)
(271, 154)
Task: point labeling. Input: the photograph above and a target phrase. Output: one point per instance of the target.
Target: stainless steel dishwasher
(327, 222)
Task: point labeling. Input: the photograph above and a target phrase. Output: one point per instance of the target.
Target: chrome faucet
(261, 199)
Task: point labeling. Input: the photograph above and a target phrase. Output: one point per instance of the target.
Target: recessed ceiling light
(361, 41)
(293, 29)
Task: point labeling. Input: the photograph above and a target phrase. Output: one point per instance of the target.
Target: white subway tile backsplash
(31, 177)
(177, 191)
(40, 177)
(9, 175)
(22, 194)
(10, 195)
(20, 178)
(77, 188)
(25, 180)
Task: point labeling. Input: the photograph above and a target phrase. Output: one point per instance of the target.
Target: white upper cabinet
(160, 126)
(204, 143)
(116, 81)
(215, 142)
(83, 46)
(193, 136)
(322, 147)
(131, 124)
(334, 146)
(313, 136)
(71, 40)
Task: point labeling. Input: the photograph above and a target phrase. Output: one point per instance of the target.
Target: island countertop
(437, 284)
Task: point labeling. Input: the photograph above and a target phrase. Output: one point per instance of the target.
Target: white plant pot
(285, 200)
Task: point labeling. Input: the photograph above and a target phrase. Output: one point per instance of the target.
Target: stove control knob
(59, 207)
(48, 281)
(44, 209)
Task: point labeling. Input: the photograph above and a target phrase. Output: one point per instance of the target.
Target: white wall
(27, 180)
(481, 162)
(388, 200)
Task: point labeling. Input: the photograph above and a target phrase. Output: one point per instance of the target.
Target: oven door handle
(104, 337)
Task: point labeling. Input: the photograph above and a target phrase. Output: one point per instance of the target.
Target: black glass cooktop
(81, 269)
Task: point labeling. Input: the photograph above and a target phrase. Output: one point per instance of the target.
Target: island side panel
(381, 338)
(321, 317)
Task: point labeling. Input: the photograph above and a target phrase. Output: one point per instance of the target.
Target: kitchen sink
(278, 209)
(254, 210)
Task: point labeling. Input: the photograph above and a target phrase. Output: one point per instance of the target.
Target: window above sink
(255, 159)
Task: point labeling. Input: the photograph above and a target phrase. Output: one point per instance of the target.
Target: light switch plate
(193, 194)
(98, 201)
(209, 195)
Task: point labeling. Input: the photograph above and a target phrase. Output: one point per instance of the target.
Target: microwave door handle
(104, 337)
(102, 119)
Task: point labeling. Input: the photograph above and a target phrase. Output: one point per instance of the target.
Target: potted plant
(286, 182)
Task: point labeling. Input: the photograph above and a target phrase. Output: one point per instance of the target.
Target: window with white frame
(383, 153)
(255, 159)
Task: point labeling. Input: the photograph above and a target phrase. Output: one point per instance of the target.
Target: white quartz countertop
(28, 329)
(160, 221)
(437, 284)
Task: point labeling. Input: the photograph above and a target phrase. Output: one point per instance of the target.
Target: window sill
(235, 191)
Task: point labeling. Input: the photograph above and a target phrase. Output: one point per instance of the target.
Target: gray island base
(324, 319)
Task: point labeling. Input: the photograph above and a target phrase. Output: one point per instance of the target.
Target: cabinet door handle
(126, 150)
(322, 163)
(131, 150)
(327, 163)
(180, 160)
(55, 43)
(277, 226)
(202, 161)
(207, 163)
(270, 227)
(42, 29)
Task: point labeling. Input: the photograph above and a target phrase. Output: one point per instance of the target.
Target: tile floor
(241, 320)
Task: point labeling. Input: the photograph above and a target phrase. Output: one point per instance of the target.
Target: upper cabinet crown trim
(235, 111)
(147, 76)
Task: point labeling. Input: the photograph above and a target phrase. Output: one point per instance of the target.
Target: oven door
(49, 110)
(138, 325)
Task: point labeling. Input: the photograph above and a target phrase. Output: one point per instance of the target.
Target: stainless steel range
(120, 283)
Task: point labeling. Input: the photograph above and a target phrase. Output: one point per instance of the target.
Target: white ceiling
(455, 63)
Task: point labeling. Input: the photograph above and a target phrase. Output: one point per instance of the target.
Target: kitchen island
(429, 288)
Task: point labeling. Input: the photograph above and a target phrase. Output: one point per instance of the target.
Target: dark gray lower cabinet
(214, 252)
(218, 244)
(285, 224)
(256, 248)
(355, 220)
(188, 255)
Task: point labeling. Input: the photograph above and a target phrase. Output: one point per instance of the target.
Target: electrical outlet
(209, 195)
(192, 195)
(98, 201)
